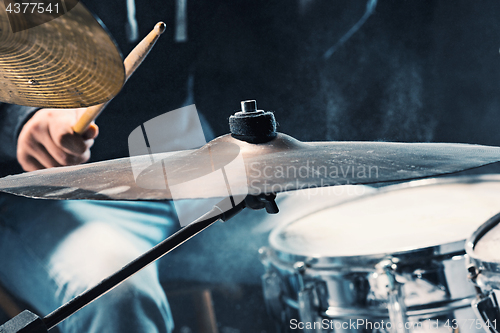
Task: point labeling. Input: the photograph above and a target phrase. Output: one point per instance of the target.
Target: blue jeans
(51, 251)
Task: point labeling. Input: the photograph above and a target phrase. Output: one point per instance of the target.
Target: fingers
(76, 146)
(91, 132)
(71, 143)
(32, 155)
(47, 140)
(61, 156)
(29, 163)
(40, 153)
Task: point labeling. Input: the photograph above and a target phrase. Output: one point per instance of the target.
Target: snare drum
(389, 261)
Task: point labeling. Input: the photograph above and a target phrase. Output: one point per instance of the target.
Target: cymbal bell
(67, 62)
(240, 168)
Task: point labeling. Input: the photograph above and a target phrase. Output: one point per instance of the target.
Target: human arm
(47, 140)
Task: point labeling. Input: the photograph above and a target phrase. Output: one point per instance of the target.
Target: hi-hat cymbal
(283, 164)
(67, 62)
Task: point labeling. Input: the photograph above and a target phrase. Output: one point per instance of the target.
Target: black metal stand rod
(135, 266)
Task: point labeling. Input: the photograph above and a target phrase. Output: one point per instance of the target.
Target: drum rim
(451, 248)
(491, 266)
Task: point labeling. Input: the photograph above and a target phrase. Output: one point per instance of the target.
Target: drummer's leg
(53, 250)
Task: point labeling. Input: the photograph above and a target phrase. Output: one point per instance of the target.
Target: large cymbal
(282, 164)
(67, 62)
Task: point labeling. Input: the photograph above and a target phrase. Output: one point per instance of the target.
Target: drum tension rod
(28, 322)
(473, 273)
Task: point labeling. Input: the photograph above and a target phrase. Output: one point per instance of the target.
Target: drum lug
(271, 285)
(273, 291)
(264, 256)
(307, 299)
(300, 269)
(485, 305)
(395, 294)
(308, 309)
(473, 277)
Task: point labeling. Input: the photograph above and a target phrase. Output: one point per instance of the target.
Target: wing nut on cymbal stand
(262, 201)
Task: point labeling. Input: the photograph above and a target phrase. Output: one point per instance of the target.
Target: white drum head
(487, 247)
(397, 219)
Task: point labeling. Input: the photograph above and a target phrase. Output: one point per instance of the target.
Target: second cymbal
(67, 62)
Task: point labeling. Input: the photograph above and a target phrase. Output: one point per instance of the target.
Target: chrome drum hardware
(392, 260)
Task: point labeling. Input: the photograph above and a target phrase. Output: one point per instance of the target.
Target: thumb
(91, 132)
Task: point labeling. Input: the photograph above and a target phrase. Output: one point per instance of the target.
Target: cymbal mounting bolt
(249, 106)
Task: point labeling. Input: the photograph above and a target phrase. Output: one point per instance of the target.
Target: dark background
(415, 71)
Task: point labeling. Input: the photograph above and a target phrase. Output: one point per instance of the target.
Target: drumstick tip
(160, 27)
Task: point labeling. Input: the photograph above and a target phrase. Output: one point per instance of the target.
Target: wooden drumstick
(133, 60)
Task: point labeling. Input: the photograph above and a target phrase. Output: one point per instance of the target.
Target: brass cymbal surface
(282, 164)
(65, 62)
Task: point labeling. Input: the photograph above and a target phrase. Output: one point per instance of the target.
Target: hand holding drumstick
(58, 137)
